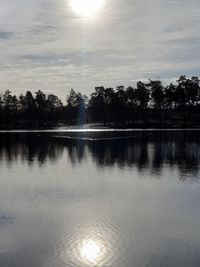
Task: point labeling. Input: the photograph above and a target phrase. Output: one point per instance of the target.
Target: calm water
(75, 199)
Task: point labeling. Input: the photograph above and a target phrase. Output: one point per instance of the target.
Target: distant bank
(148, 105)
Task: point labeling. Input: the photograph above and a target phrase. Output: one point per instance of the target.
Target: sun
(86, 8)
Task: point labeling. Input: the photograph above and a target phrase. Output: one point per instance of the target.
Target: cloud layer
(44, 45)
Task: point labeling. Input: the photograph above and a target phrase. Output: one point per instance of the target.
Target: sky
(45, 45)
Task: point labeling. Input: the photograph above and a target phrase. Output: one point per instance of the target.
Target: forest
(149, 104)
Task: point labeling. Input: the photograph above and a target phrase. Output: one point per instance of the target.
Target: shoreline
(90, 130)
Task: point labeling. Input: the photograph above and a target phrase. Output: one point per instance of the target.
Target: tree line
(148, 104)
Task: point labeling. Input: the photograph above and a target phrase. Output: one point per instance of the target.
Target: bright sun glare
(86, 8)
(91, 252)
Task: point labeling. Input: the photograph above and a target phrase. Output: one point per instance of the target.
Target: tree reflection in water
(146, 151)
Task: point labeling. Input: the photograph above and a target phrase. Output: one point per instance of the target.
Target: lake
(100, 198)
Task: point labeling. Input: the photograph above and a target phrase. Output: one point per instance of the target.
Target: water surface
(100, 199)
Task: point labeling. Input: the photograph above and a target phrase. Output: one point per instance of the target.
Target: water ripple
(94, 245)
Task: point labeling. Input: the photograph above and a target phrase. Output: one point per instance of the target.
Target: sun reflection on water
(92, 247)
(92, 252)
